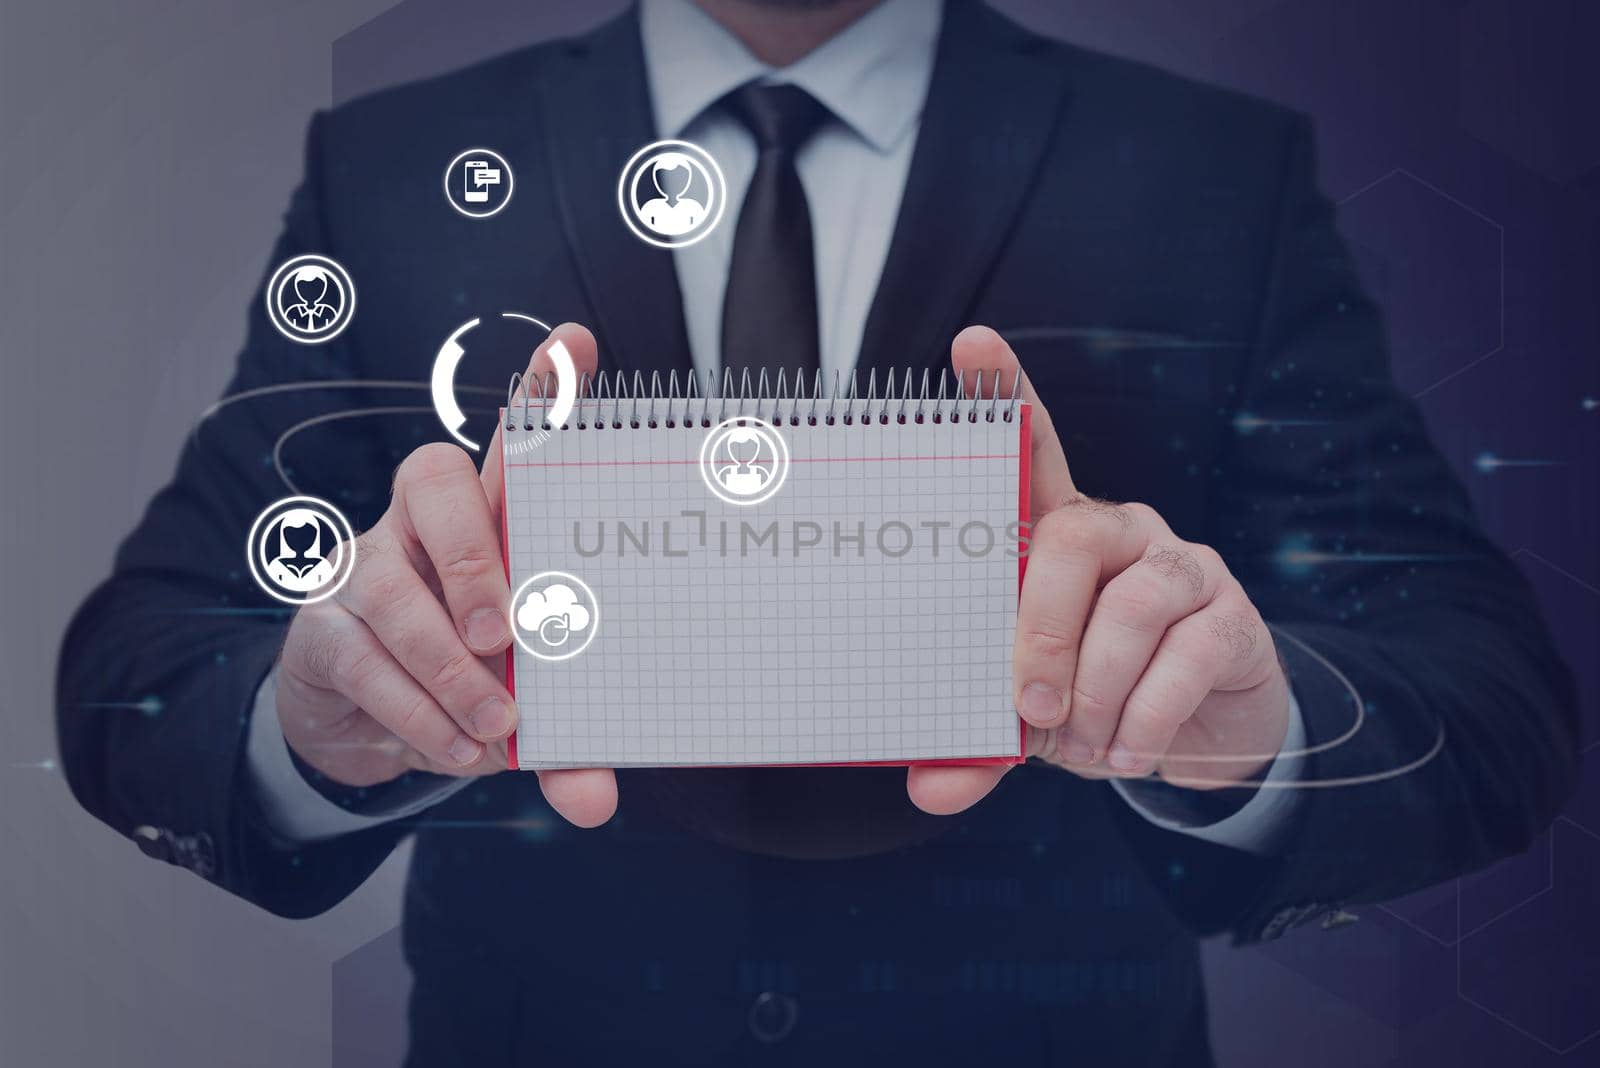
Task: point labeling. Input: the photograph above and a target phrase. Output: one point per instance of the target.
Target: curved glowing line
(566, 372)
(527, 319)
(566, 384)
(1321, 784)
(1325, 784)
(312, 384)
(1320, 747)
(328, 417)
(443, 384)
(449, 357)
(517, 448)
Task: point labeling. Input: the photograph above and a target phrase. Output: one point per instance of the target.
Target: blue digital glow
(1249, 422)
(150, 706)
(1488, 463)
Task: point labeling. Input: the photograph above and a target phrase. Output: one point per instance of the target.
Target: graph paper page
(864, 612)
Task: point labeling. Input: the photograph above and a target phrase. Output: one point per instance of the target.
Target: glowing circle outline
(442, 380)
(346, 313)
(627, 179)
(594, 612)
(343, 527)
(781, 455)
(511, 183)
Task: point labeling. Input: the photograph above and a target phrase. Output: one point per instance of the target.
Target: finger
(441, 505)
(346, 656)
(580, 345)
(1206, 651)
(388, 595)
(584, 797)
(1172, 580)
(493, 762)
(1071, 551)
(333, 734)
(944, 790)
(978, 348)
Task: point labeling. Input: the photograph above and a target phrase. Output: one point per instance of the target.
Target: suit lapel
(992, 107)
(595, 113)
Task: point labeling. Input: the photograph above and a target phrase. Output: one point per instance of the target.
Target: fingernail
(465, 751)
(492, 718)
(486, 629)
(1122, 758)
(1041, 704)
(1073, 750)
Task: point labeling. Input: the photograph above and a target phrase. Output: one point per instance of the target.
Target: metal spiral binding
(616, 400)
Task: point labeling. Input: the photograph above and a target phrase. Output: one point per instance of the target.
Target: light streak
(1488, 463)
(1111, 338)
(150, 706)
(1300, 559)
(1248, 423)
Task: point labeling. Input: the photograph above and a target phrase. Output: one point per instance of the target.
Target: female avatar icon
(300, 551)
(744, 460)
(744, 475)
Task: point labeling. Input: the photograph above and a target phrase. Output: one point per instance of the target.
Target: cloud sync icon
(554, 615)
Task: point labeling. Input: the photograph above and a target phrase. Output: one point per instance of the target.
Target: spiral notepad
(773, 577)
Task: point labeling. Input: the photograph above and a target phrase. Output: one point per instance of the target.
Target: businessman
(1295, 677)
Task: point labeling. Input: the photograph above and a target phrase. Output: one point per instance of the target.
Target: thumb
(979, 349)
(578, 344)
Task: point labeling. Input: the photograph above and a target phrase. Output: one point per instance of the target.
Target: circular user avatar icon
(478, 183)
(301, 550)
(554, 615)
(310, 299)
(671, 193)
(744, 460)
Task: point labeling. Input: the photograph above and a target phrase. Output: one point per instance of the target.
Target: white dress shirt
(873, 77)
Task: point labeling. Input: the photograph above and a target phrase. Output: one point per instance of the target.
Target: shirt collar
(873, 76)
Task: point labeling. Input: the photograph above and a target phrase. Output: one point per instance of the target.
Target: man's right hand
(393, 673)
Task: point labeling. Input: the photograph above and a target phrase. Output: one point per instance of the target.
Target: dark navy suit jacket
(1161, 258)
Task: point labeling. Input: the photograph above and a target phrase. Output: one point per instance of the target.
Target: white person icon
(675, 212)
(311, 310)
(671, 193)
(310, 299)
(744, 460)
(742, 468)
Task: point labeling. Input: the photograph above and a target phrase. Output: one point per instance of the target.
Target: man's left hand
(1136, 652)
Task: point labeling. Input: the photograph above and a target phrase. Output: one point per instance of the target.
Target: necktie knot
(781, 117)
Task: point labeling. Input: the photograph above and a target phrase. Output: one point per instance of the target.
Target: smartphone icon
(476, 178)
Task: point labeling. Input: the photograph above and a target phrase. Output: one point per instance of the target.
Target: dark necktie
(769, 311)
(769, 322)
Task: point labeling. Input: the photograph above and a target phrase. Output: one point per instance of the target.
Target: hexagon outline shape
(1551, 565)
(1560, 1051)
(1500, 237)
